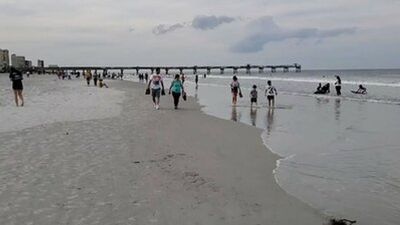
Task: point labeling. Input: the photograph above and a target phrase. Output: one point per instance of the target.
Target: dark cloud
(264, 30)
(210, 22)
(163, 29)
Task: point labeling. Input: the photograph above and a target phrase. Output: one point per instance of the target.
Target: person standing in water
(16, 79)
(157, 86)
(235, 89)
(338, 86)
(270, 92)
(176, 88)
(196, 80)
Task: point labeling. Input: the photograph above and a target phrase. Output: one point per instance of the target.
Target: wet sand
(143, 166)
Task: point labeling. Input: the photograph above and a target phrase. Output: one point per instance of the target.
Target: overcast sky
(315, 33)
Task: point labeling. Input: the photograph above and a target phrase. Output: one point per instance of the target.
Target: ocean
(339, 154)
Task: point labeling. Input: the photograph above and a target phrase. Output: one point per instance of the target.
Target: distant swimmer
(235, 90)
(361, 90)
(271, 92)
(338, 86)
(16, 79)
(323, 90)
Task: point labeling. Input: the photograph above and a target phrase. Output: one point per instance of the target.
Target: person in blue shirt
(176, 89)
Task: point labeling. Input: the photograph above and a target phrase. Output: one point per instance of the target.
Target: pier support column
(166, 71)
(152, 70)
(181, 70)
(261, 70)
(222, 70)
(195, 70)
(298, 69)
(285, 69)
(273, 69)
(208, 71)
(235, 70)
(122, 71)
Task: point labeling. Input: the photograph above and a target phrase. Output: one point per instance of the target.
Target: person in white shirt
(157, 88)
(270, 92)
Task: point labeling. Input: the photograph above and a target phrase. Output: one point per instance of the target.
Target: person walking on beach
(270, 92)
(183, 78)
(235, 90)
(146, 77)
(157, 88)
(88, 76)
(16, 79)
(338, 86)
(95, 77)
(176, 88)
(253, 96)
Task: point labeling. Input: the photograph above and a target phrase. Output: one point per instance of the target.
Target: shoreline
(145, 166)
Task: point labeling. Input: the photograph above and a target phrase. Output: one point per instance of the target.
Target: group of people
(338, 87)
(143, 77)
(96, 79)
(155, 87)
(270, 93)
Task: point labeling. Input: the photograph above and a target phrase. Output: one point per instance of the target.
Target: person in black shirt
(16, 79)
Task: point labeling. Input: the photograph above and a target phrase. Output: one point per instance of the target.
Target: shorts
(270, 97)
(253, 100)
(156, 93)
(17, 85)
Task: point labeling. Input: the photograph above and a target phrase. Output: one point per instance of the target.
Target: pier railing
(195, 69)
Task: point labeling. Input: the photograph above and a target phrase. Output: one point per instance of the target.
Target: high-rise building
(40, 63)
(18, 61)
(4, 59)
(28, 63)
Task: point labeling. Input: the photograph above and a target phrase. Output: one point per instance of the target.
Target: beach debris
(341, 222)
(66, 133)
(136, 162)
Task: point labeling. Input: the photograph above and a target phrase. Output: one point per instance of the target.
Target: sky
(318, 34)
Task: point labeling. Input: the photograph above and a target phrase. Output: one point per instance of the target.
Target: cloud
(199, 23)
(210, 22)
(264, 30)
(163, 29)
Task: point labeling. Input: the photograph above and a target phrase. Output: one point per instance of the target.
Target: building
(18, 61)
(28, 63)
(40, 63)
(4, 59)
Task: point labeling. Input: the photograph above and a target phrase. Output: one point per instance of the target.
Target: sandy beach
(138, 165)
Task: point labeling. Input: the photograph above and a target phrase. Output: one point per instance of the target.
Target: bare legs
(18, 95)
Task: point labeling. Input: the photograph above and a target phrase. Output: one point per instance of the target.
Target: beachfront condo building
(4, 60)
(18, 61)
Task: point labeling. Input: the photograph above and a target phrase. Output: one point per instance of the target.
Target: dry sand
(143, 167)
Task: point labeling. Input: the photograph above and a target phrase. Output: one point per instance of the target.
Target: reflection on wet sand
(253, 116)
(234, 114)
(270, 120)
(337, 108)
